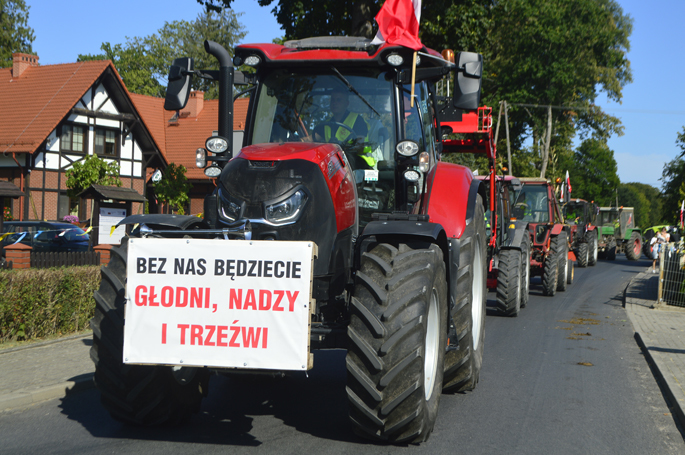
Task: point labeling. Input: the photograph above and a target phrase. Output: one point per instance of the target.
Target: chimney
(20, 62)
(195, 104)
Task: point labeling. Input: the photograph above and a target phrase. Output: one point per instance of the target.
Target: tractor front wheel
(634, 246)
(397, 337)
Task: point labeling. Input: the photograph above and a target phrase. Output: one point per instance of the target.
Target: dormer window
(106, 143)
(72, 138)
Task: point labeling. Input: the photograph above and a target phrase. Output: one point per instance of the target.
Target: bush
(36, 303)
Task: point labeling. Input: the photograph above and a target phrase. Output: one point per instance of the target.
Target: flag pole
(413, 79)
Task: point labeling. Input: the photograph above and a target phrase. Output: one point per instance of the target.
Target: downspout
(21, 180)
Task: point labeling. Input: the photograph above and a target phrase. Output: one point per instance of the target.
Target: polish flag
(682, 208)
(398, 24)
(568, 183)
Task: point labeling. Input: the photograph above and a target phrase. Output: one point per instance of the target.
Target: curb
(20, 399)
(46, 343)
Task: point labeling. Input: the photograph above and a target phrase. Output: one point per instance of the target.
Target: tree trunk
(548, 139)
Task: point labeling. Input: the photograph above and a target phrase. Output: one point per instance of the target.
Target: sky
(652, 109)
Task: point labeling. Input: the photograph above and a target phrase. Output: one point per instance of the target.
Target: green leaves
(143, 62)
(92, 170)
(174, 187)
(15, 33)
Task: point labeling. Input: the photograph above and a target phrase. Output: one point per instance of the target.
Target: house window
(67, 206)
(106, 142)
(73, 138)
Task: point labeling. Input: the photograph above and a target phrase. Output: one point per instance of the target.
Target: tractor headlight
(216, 144)
(200, 158)
(407, 148)
(286, 211)
(230, 208)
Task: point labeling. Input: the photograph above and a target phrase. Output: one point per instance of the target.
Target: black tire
(462, 366)
(611, 250)
(560, 246)
(550, 274)
(136, 394)
(592, 249)
(397, 337)
(583, 255)
(634, 246)
(509, 283)
(525, 270)
(571, 272)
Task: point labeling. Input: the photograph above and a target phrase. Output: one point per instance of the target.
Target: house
(58, 115)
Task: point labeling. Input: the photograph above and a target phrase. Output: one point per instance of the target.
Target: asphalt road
(565, 377)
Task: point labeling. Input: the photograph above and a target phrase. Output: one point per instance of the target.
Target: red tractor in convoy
(581, 216)
(508, 244)
(330, 227)
(552, 257)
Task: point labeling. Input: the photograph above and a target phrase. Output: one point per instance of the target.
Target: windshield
(301, 106)
(573, 212)
(532, 204)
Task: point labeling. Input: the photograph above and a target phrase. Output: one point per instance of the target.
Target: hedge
(36, 303)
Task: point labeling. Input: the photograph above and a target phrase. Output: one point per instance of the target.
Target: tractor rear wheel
(509, 283)
(397, 337)
(525, 270)
(560, 246)
(136, 394)
(571, 272)
(462, 366)
(583, 255)
(592, 249)
(634, 246)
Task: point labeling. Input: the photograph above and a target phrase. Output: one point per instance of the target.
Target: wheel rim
(637, 248)
(594, 250)
(430, 361)
(477, 297)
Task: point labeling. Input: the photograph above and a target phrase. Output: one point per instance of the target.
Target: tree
(594, 176)
(15, 34)
(136, 66)
(646, 200)
(174, 187)
(143, 62)
(91, 171)
(673, 178)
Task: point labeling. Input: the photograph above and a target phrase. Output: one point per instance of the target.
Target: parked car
(45, 236)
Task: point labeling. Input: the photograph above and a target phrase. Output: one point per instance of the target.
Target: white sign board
(108, 218)
(221, 303)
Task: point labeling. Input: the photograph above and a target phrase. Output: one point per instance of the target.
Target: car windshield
(309, 107)
(532, 204)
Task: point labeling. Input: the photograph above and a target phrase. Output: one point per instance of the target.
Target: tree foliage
(15, 33)
(594, 176)
(143, 62)
(646, 200)
(91, 171)
(673, 178)
(174, 187)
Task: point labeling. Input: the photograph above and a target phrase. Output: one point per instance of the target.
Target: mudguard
(452, 201)
(516, 230)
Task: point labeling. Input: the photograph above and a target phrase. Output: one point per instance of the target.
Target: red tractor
(329, 228)
(581, 216)
(552, 257)
(508, 244)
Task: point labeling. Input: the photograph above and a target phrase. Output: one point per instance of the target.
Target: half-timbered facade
(57, 115)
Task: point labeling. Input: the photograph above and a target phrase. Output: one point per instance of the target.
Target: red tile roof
(37, 101)
(178, 140)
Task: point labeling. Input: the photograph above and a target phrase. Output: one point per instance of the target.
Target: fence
(46, 260)
(672, 275)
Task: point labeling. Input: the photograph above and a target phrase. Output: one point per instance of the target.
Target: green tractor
(618, 233)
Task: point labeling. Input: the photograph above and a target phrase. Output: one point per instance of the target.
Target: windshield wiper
(354, 90)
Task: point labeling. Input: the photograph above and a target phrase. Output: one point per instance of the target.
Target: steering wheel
(353, 135)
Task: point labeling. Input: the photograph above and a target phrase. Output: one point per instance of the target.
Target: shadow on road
(315, 404)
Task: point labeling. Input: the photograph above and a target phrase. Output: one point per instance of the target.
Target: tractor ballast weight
(391, 242)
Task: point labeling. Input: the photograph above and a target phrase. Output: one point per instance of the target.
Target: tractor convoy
(334, 225)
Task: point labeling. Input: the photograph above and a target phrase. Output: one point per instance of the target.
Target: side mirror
(178, 90)
(468, 81)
